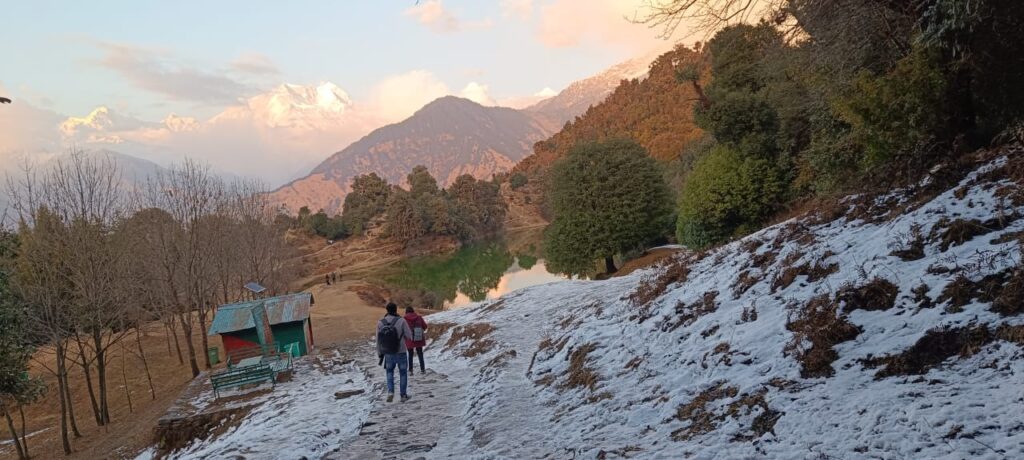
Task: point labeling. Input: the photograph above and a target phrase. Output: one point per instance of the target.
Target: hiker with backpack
(418, 339)
(392, 330)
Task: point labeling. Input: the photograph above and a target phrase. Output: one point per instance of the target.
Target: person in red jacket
(415, 344)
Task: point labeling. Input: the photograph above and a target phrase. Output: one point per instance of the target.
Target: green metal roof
(281, 309)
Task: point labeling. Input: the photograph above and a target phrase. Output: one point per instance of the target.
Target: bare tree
(704, 16)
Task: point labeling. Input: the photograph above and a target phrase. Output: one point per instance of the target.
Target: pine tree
(608, 198)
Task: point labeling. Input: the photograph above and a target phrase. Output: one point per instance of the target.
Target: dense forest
(468, 209)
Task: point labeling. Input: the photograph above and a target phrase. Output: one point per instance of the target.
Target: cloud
(522, 102)
(254, 64)
(276, 135)
(478, 93)
(521, 9)
(159, 72)
(433, 14)
(599, 23)
(398, 96)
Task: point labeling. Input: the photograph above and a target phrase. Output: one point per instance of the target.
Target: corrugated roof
(281, 309)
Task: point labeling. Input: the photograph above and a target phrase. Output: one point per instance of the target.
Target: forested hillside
(656, 111)
(814, 101)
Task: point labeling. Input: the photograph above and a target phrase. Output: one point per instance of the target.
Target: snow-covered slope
(888, 327)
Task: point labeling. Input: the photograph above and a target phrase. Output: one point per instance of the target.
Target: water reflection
(473, 273)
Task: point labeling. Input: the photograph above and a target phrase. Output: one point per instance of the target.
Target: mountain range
(452, 136)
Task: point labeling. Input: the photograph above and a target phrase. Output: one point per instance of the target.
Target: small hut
(274, 324)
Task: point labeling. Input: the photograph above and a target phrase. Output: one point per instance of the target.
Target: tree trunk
(206, 343)
(177, 346)
(186, 329)
(124, 378)
(101, 374)
(145, 364)
(167, 335)
(71, 407)
(24, 436)
(14, 432)
(609, 265)
(65, 443)
(88, 381)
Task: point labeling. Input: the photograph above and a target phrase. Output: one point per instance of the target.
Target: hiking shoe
(391, 397)
(405, 398)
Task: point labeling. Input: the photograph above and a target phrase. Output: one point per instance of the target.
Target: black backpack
(388, 338)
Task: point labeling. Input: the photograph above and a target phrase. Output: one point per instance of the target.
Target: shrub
(727, 195)
(517, 180)
(896, 114)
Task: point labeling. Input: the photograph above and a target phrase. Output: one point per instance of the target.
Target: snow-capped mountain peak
(294, 106)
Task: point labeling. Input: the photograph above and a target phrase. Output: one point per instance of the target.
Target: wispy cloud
(597, 23)
(254, 64)
(521, 9)
(435, 16)
(159, 72)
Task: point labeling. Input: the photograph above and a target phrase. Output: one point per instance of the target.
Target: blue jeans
(390, 361)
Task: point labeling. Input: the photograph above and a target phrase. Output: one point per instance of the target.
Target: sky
(163, 80)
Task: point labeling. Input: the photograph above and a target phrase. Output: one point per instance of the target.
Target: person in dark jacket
(393, 357)
(418, 338)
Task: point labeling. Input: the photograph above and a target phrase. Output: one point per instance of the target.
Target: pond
(473, 273)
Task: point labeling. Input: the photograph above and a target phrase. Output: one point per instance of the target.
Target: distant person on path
(418, 339)
(327, 279)
(392, 331)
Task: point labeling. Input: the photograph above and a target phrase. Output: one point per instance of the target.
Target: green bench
(279, 362)
(240, 376)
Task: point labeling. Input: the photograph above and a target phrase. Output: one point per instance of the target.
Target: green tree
(403, 219)
(421, 182)
(16, 388)
(368, 199)
(607, 198)
(478, 205)
(727, 195)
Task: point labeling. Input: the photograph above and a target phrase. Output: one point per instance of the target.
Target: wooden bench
(240, 376)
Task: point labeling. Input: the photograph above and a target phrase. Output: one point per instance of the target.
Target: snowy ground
(653, 382)
(708, 366)
(300, 418)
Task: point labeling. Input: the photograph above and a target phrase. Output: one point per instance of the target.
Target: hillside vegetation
(888, 326)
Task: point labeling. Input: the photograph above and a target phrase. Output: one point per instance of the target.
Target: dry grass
(1010, 301)
(744, 282)
(440, 329)
(814, 273)
(878, 294)
(819, 324)
(1005, 291)
(932, 349)
(687, 315)
(654, 286)
(476, 334)
(913, 246)
(762, 424)
(961, 231)
(493, 307)
(702, 420)
(763, 259)
(579, 374)
(634, 363)
(921, 296)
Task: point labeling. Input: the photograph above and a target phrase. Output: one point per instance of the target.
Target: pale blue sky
(59, 55)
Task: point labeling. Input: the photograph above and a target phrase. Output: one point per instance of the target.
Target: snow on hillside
(884, 328)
